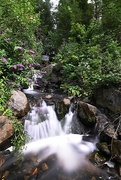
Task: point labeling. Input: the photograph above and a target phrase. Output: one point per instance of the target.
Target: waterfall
(42, 122)
(48, 137)
(46, 132)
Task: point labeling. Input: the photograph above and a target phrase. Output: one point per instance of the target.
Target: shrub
(16, 61)
(87, 66)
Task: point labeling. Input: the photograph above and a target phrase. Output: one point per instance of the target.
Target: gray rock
(108, 133)
(109, 97)
(116, 150)
(87, 113)
(19, 104)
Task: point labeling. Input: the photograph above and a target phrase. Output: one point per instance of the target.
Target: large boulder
(87, 113)
(109, 98)
(90, 119)
(19, 104)
(62, 107)
(6, 130)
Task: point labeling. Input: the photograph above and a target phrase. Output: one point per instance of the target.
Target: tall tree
(87, 11)
(63, 19)
(97, 8)
(67, 16)
(111, 17)
(46, 26)
(44, 8)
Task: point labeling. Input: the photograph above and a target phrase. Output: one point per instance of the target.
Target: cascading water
(42, 122)
(46, 131)
(49, 137)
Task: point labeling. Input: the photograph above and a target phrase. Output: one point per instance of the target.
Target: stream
(52, 151)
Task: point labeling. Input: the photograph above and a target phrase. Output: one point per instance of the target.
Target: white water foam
(70, 149)
(47, 133)
(48, 138)
(42, 123)
(30, 90)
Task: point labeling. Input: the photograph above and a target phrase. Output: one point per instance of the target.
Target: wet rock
(87, 113)
(48, 69)
(2, 160)
(108, 133)
(76, 126)
(104, 148)
(67, 101)
(56, 172)
(101, 121)
(49, 82)
(35, 171)
(116, 150)
(49, 96)
(119, 131)
(6, 129)
(53, 79)
(5, 175)
(44, 167)
(89, 117)
(19, 104)
(120, 170)
(98, 158)
(62, 107)
(108, 97)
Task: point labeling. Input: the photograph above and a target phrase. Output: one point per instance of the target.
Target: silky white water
(46, 132)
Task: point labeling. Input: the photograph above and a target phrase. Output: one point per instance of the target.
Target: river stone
(19, 104)
(66, 101)
(98, 158)
(62, 107)
(6, 129)
(87, 113)
(108, 133)
(103, 147)
(116, 150)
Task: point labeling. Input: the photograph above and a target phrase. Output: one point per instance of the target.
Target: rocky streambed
(99, 118)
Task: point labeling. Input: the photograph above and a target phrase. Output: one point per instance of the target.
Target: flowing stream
(46, 132)
(48, 136)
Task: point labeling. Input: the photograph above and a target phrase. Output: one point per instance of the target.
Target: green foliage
(4, 95)
(18, 141)
(72, 90)
(86, 11)
(89, 65)
(19, 14)
(16, 61)
(20, 50)
(45, 29)
(72, 18)
(111, 18)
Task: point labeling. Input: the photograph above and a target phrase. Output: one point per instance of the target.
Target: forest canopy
(86, 36)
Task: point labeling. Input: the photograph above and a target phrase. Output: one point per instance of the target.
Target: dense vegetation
(90, 54)
(85, 36)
